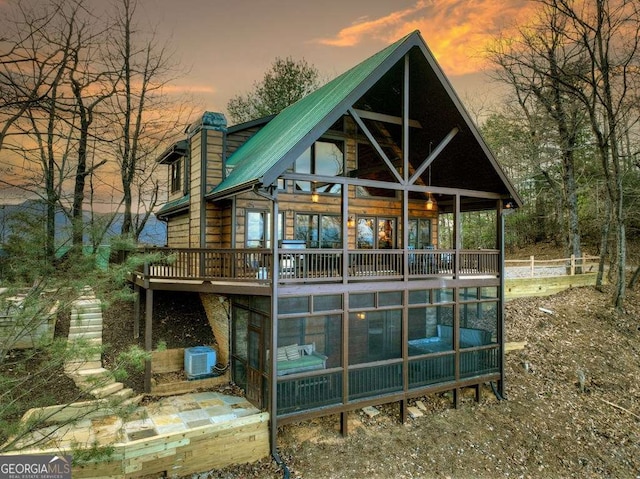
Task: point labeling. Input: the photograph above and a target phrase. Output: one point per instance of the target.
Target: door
(254, 367)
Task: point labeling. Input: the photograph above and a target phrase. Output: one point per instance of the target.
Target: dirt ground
(572, 409)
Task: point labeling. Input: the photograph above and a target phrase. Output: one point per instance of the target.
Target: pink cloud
(455, 30)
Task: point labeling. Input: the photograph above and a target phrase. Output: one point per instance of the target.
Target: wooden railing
(479, 262)
(309, 265)
(369, 381)
(556, 267)
(302, 393)
(207, 264)
(305, 391)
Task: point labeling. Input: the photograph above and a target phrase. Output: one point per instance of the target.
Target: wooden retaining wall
(545, 286)
(182, 453)
(172, 360)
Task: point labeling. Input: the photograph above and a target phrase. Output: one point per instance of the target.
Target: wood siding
(194, 190)
(178, 231)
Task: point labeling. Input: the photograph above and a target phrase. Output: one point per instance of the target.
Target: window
(258, 231)
(420, 233)
(319, 231)
(324, 158)
(176, 176)
(376, 233)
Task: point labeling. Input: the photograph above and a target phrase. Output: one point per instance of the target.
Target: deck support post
(148, 343)
(136, 311)
(478, 392)
(344, 423)
(456, 398)
(403, 411)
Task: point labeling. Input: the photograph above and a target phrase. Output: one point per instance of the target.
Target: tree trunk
(79, 186)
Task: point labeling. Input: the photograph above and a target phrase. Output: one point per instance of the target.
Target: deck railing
(309, 265)
(302, 393)
(305, 391)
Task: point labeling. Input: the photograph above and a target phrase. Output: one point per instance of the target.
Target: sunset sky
(226, 46)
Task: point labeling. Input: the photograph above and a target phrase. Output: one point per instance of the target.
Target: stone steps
(88, 373)
(88, 335)
(108, 390)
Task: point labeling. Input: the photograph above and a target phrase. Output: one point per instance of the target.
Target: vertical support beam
(456, 398)
(501, 323)
(148, 343)
(345, 349)
(344, 423)
(405, 237)
(345, 232)
(403, 410)
(273, 379)
(478, 392)
(405, 121)
(136, 311)
(405, 309)
(457, 235)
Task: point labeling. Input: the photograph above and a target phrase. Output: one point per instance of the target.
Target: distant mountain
(154, 232)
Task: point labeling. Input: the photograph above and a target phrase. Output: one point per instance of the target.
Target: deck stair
(87, 372)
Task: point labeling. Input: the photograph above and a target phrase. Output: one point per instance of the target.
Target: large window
(319, 231)
(376, 233)
(420, 233)
(258, 231)
(324, 158)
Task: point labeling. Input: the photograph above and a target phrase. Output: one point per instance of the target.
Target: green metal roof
(171, 206)
(270, 151)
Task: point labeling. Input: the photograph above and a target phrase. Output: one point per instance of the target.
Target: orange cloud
(362, 27)
(455, 30)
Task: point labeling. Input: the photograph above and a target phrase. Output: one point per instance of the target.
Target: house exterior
(315, 232)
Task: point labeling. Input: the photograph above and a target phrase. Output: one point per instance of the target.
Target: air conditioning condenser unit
(199, 361)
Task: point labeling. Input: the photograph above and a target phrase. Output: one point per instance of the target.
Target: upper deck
(247, 270)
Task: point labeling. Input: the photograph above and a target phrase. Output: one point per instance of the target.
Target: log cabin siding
(227, 221)
(214, 158)
(195, 190)
(178, 231)
(237, 139)
(213, 226)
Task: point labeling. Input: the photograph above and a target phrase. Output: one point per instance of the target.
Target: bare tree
(145, 117)
(36, 117)
(609, 32)
(535, 65)
(600, 40)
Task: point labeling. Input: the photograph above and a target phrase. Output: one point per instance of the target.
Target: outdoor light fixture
(351, 222)
(429, 204)
(314, 196)
(361, 315)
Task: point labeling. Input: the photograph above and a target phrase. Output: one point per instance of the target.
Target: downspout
(273, 402)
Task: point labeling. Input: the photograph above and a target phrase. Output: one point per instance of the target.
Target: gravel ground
(525, 271)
